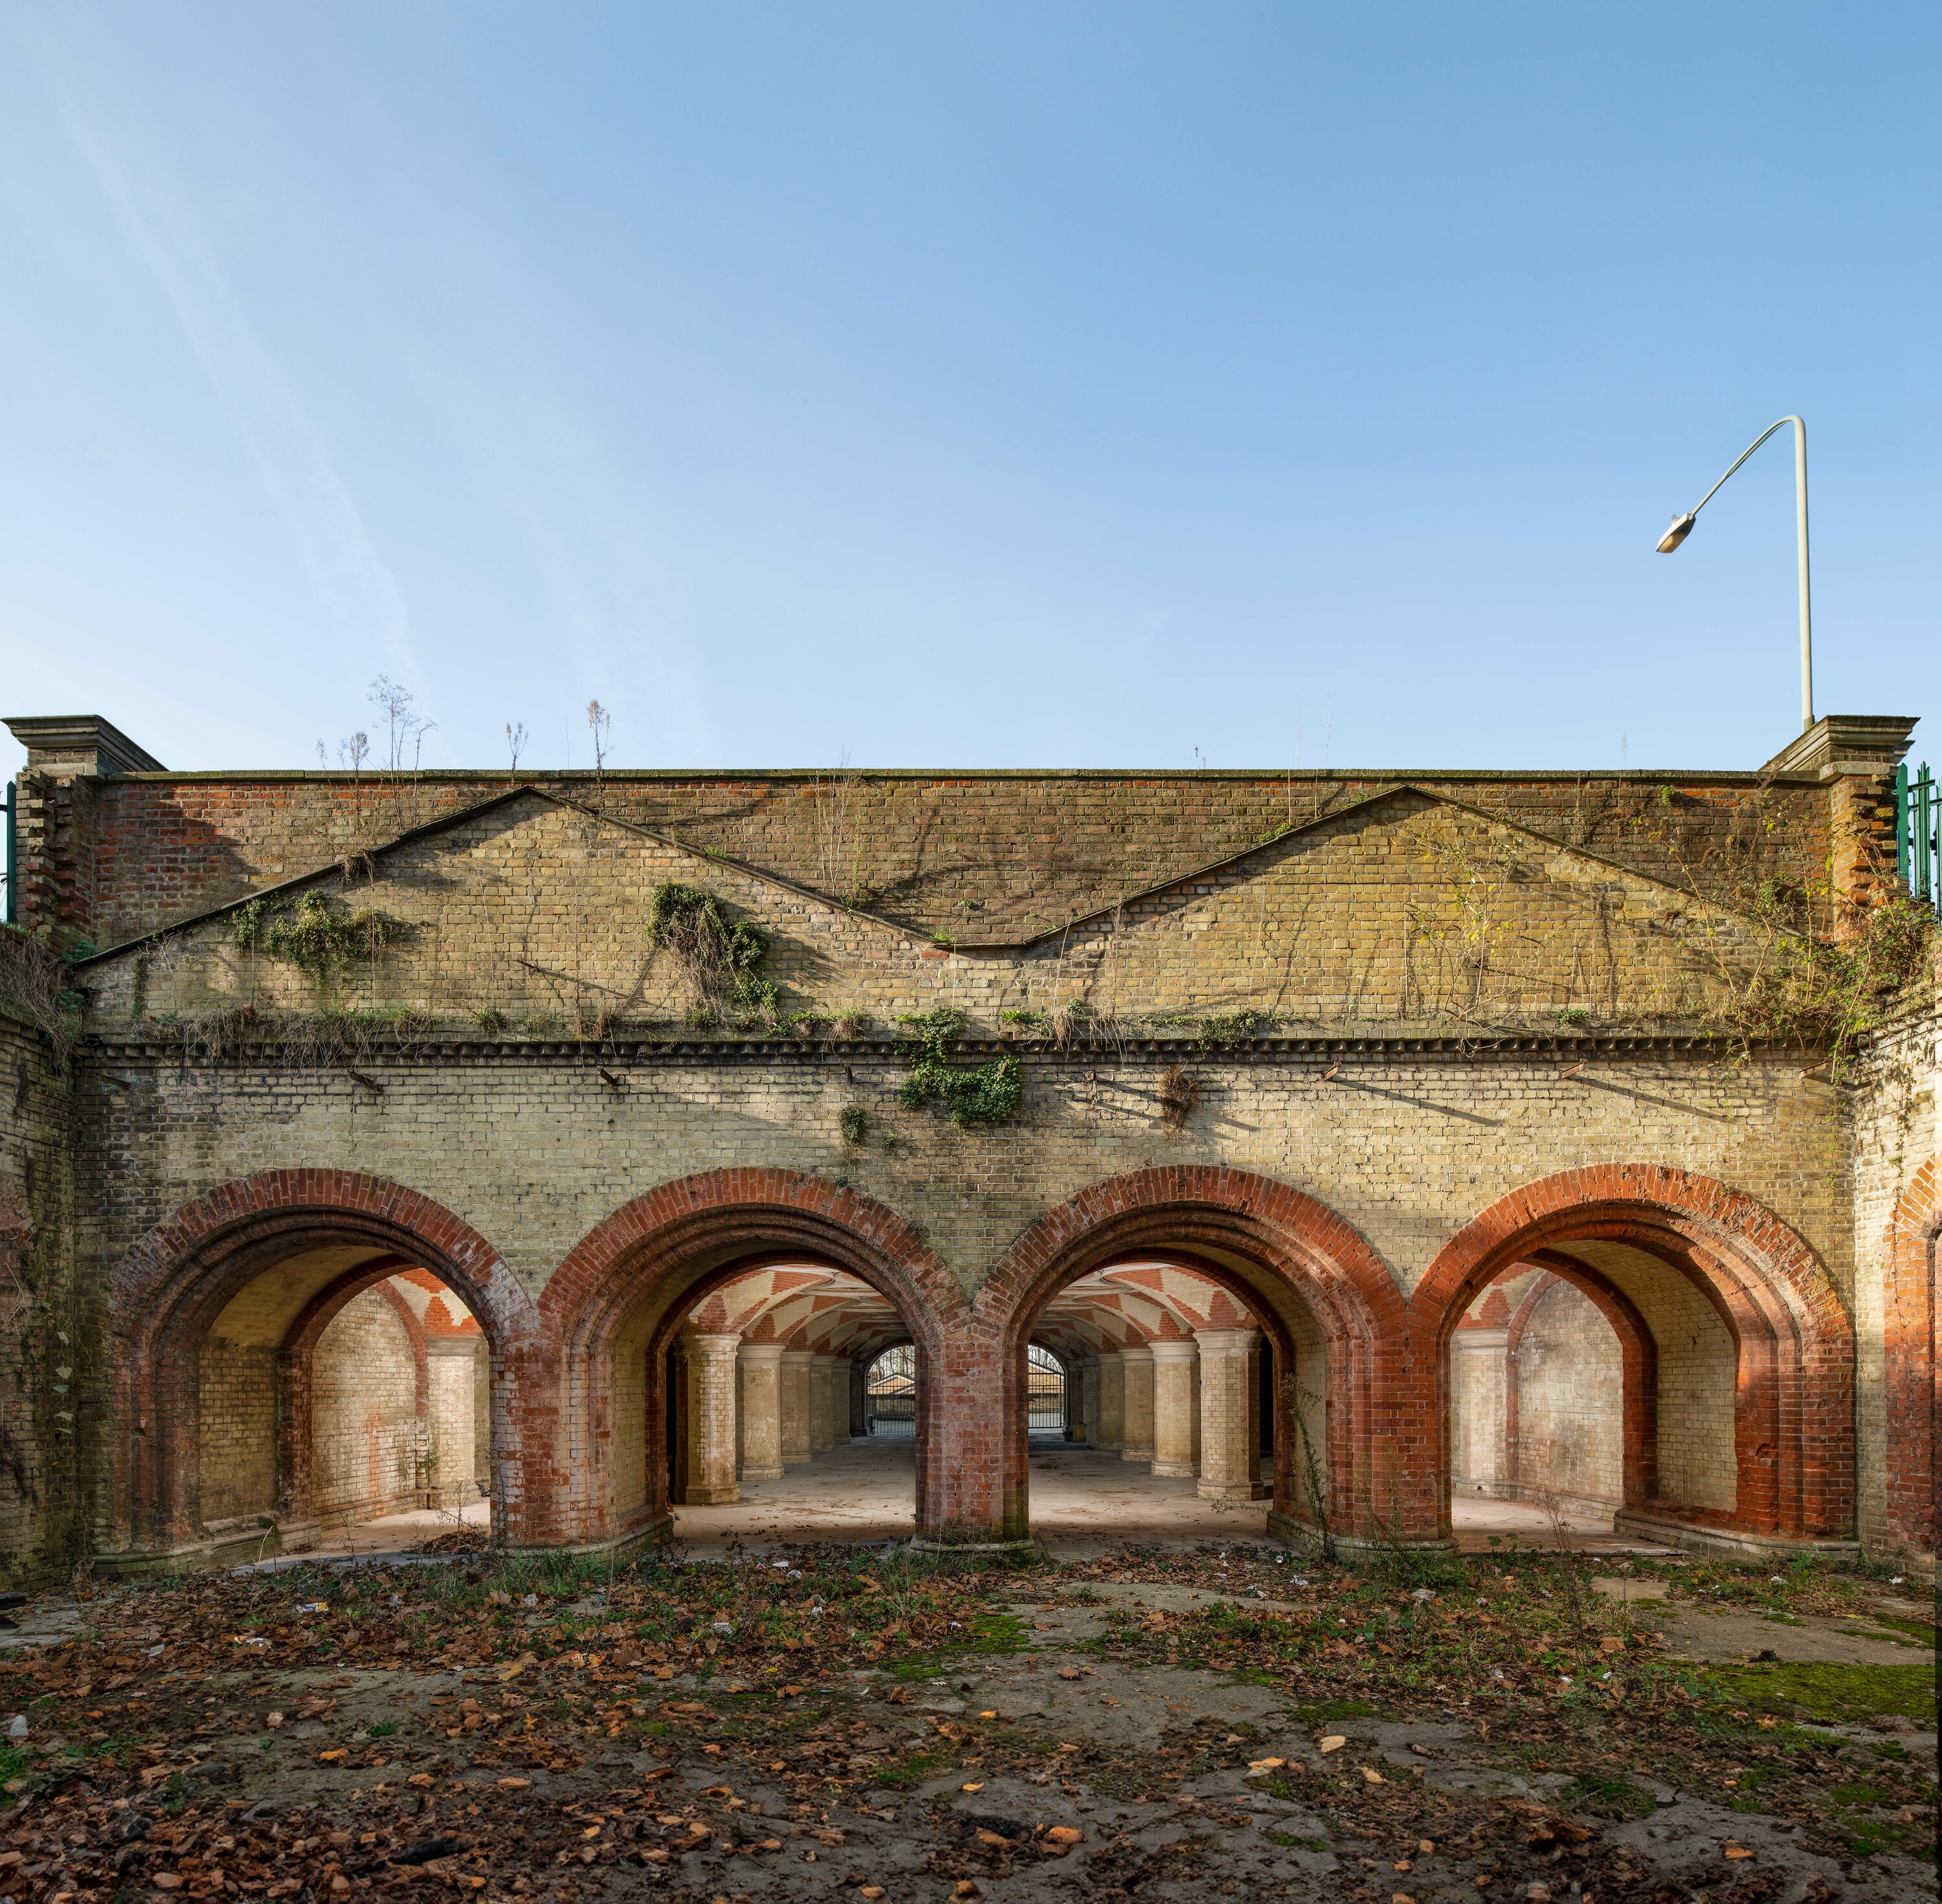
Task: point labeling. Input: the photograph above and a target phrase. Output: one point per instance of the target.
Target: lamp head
(1682, 527)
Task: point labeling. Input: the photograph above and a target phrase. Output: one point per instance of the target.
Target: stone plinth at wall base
(1305, 1534)
(696, 1496)
(1722, 1539)
(1174, 1471)
(653, 1533)
(939, 1544)
(238, 1548)
(774, 1474)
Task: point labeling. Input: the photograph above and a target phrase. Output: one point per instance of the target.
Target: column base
(1305, 1534)
(1143, 1455)
(711, 1497)
(1175, 1471)
(1234, 1491)
(938, 1544)
(762, 1474)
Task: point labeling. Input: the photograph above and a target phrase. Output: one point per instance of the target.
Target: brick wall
(981, 855)
(1570, 1403)
(1898, 1215)
(28, 1116)
(237, 1399)
(1463, 1009)
(371, 1445)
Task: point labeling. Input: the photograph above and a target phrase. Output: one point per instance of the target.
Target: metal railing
(1918, 834)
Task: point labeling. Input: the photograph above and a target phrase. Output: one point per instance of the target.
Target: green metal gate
(1918, 834)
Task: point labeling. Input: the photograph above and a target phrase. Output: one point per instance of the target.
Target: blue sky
(1058, 384)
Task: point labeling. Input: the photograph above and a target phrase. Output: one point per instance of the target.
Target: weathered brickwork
(372, 1448)
(1476, 1052)
(1898, 1203)
(1570, 1401)
(982, 856)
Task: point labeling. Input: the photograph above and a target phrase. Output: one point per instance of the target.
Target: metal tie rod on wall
(1682, 527)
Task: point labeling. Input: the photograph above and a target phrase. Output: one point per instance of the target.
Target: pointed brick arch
(173, 1284)
(687, 1236)
(1794, 1427)
(1196, 1215)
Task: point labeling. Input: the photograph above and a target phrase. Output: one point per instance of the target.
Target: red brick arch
(1197, 1215)
(1793, 1411)
(172, 1285)
(686, 1237)
(1912, 1363)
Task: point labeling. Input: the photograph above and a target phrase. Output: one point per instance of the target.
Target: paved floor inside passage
(1085, 1503)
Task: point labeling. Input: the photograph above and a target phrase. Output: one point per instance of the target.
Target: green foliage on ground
(1822, 1689)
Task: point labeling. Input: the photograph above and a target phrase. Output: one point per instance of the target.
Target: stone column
(1136, 1428)
(821, 1390)
(451, 1365)
(795, 1385)
(1173, 1409)
(1478, 1465)
(1231, 1452)
(759, 1429)
(859, 1402)
(1088, 1423)
(1111, 1433)
(708, 1478)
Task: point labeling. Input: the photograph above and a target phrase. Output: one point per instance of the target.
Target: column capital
(760, 1351)
(1172, 1351)
(1136, 1351)
(723, 1342)
(1226, 1342)
(797, 1358)
(1471, 1340)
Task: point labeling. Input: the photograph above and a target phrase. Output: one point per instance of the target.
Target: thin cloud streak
(291, 458)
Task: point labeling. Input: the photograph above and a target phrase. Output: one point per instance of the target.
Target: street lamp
(1682, 527)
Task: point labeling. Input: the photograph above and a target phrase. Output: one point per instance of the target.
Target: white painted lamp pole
(1682, 527)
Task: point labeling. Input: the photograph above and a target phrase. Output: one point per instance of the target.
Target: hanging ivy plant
(988, 1094)
(717, 960)
(312, 938)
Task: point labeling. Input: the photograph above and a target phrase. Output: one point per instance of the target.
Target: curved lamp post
(1682, 527)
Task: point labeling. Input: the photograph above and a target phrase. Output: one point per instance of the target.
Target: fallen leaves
(1333, 1743)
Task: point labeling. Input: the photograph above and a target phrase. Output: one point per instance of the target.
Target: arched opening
(1206, 1318)
(713, 1337)
(1537, 1405)
(1731, 1402)
(1150, 1405)
(1045, 1395)
(301, 1354)
(346, 1405)
(769, 1440)
(890, 1395)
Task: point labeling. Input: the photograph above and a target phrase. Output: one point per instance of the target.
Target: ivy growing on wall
(718, 959)
(312, 938)
(987, 1094)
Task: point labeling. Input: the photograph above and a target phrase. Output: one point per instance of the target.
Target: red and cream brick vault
(1347, 1141)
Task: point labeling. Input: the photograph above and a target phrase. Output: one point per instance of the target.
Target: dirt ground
(869, 1724)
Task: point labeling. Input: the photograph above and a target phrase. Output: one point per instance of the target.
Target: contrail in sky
(291, 456)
